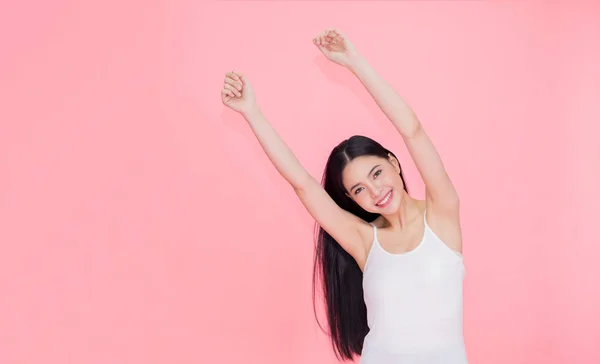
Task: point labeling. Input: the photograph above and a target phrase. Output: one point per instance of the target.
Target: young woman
(391, 265)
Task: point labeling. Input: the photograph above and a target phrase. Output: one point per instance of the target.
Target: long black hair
(339, 273)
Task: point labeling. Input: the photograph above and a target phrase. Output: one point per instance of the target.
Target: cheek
(399, 182)
(362, 199)
(390, 180)
(396, 180)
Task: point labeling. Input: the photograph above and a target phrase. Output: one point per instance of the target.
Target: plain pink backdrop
(141, 222)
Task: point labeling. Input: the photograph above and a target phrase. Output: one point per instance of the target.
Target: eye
(377, 173)
(356, 191)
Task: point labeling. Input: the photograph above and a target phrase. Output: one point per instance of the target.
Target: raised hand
(237, 93)
(336, 47)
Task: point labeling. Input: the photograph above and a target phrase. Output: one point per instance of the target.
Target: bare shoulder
(366, 232)
(445, 223)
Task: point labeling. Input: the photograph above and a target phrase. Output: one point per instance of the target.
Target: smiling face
(374, 183)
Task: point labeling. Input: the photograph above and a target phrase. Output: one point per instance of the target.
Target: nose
(375, 190)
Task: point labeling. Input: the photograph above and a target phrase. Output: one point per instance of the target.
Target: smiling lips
(385, 200)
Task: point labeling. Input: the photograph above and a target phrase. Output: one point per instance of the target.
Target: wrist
(251, 112)
(356, 63)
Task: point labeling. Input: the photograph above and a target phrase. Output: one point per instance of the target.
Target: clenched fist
(237, 93)
(336, 47)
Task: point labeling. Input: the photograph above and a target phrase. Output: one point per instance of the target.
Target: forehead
(357, 169)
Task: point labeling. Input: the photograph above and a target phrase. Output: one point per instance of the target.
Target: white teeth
(386, 199)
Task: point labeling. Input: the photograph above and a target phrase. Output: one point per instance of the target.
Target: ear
(394, 162)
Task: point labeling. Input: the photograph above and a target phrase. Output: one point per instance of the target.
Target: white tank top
(414, 304)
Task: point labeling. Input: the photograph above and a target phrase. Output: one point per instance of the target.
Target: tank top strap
(431, 232)
(374, 231)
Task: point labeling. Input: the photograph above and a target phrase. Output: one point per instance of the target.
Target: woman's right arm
(276, 149)
(341, 225)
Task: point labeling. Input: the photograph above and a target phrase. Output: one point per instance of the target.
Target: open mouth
(385, 200)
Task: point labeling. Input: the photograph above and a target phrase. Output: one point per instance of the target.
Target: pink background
(140, 221)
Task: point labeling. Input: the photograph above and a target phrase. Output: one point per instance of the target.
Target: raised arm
(441, 194)
(237, 94)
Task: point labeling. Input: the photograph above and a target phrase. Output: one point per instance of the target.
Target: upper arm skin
(346, 228)
(442, 199)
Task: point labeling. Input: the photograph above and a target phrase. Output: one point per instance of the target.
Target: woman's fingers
(321, 38)
(337, 32)
(243, 80)
(227, 92)
(236, 84)
(240, 78)
(233, 75)
(233, 90)
(328, 36)
(226, 96)
(233, 84)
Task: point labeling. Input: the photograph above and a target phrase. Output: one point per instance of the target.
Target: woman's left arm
(441, 194)
(440, 191)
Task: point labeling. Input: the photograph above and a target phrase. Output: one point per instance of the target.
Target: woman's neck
(409, 210)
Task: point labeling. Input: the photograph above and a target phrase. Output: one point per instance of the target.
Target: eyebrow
(353, 187)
